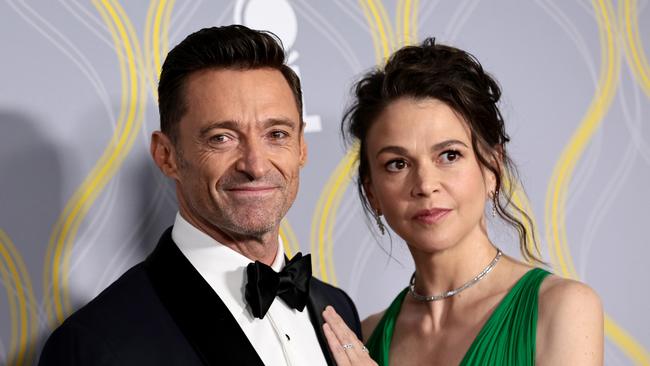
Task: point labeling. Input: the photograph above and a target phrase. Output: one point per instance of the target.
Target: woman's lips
(431, 216)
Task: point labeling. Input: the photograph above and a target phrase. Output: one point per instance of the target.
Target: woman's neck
(444, 270)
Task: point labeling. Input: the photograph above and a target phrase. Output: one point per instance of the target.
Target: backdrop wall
(81, 201)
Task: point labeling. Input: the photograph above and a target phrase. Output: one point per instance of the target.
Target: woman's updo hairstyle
(455, 77)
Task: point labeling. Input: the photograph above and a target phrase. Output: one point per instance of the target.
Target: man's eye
(278, 134)
(220, 139)
(396, 165)
(449, 156)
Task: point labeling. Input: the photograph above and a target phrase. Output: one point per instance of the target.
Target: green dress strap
(507, 338)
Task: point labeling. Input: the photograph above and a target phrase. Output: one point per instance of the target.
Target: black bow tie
(291, 284)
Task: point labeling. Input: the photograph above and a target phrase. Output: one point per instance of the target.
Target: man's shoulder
(329, 291)
(119, 297)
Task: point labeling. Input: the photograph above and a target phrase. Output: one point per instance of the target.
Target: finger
(340, 356)
(344, 335)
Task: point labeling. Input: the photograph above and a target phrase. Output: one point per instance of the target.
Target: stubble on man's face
(240, 151)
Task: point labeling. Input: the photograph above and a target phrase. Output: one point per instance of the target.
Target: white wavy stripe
(105, 38)
(331, 33)
(351, 9)
(224, 14)
(179, 10)
(636, 130)
(589, 163)
(460, 17)
(425, 12)
(615, 183)
(573, 33)
(601, 207)
(119, 262)
(74, 54)
(3, 352)
(343, 220)
(361, 258)
(179, 21)
(613, 355)
(90, 232)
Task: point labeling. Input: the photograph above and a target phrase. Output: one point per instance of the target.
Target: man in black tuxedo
(217, 289)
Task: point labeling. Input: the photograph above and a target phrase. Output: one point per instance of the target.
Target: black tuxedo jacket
(162, 312)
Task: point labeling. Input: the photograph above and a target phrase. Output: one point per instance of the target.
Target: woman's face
(424, 176)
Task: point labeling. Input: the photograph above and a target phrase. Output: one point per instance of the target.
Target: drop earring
(495, 197)
(380, 225)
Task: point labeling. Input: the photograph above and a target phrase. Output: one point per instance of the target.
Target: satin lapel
(316, 305)
(199, 312)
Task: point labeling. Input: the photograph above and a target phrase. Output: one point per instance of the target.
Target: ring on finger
(364, 349)
(348, 346)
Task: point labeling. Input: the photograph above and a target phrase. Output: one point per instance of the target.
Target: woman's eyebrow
(398, 150)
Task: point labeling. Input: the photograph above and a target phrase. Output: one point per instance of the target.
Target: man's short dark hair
(228, 47)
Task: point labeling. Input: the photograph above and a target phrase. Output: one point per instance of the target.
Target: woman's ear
(369, 192)
(496, 160)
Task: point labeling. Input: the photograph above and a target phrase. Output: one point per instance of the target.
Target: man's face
(239, 151)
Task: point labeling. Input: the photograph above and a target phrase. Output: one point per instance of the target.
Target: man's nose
(253, 161)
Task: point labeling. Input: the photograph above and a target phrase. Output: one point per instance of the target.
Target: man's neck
(263, 247)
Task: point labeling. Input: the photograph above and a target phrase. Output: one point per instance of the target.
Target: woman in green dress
(433, 163)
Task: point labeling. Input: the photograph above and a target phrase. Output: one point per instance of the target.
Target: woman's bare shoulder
(570, 323)
(369, 324)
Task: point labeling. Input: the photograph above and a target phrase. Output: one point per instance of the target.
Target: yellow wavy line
(135, 119)
(520, 199)
(626, 342)
(107, 171)
(414, 20)
(383, 26)
(320, 221)
(556, 197)
(557, 193)
(407, 23)
(119, 146)
(26, 301)
(9, 277)
(332, 204)
(329, 201)
(289, 240)
(156, 36)
(167, 16)
(399, 24)
(51, 277)
(634, 47)
(373, 31)
(148, 53)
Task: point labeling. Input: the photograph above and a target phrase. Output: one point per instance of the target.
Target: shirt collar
(190, 239)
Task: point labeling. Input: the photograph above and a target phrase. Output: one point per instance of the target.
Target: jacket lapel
(316, 305)
(197, 310)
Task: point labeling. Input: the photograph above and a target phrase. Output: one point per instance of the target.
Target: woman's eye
(449, 156)
(396, 165)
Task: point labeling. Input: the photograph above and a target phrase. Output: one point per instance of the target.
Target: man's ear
(164, 154)
(303, 149)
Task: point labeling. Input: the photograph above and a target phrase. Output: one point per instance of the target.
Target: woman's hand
(344, 344)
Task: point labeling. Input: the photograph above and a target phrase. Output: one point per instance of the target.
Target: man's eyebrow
(398, 150)
(280, 121)
(228, 125)
(236, 126)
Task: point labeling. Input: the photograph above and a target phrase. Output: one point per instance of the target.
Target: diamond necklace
(450, 293)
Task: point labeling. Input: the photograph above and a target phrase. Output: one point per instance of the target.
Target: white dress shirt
(285, 336)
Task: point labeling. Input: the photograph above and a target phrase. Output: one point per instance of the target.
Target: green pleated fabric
(507, 338)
